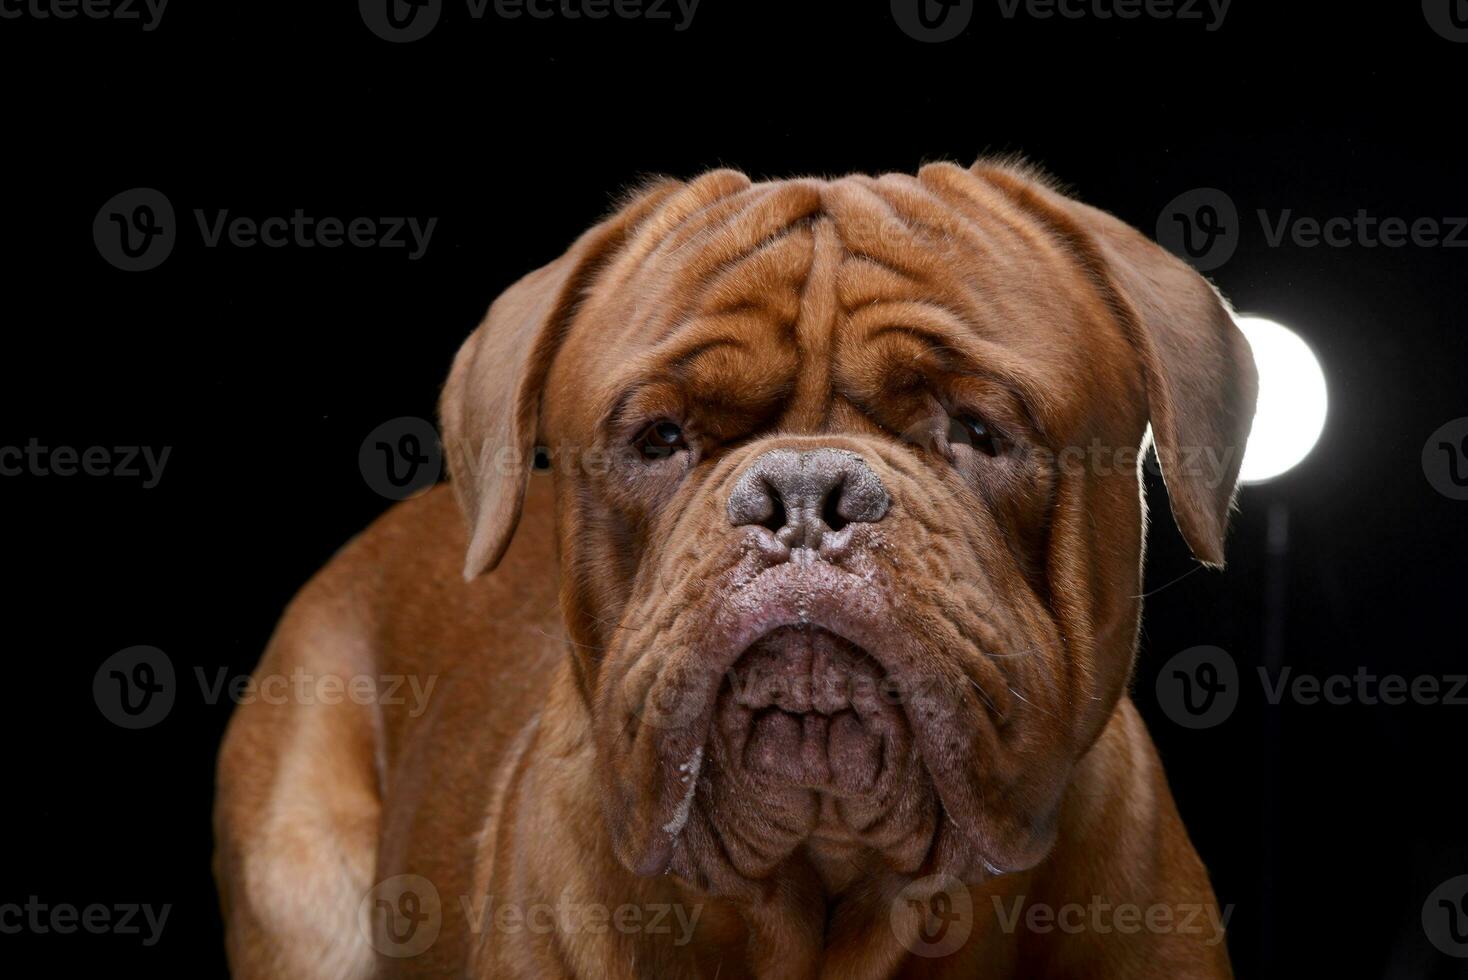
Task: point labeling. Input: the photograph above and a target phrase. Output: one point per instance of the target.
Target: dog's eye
(971, 430)
(660, 440)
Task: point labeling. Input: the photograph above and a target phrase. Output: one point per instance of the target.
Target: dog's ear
(1199, 370)
(490, 408)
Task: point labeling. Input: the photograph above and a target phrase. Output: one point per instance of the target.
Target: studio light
(1292, 400)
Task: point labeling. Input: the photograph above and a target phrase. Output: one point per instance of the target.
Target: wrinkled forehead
(784, 279)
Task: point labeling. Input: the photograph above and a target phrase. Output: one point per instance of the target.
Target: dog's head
(848, 492)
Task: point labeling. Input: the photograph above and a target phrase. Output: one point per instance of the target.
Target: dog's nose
(802, 495)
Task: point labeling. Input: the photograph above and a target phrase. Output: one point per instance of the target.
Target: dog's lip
(859, 609)
(813, 627)
(796, 593)
(806, 670)
(810, 594)
(810, 710)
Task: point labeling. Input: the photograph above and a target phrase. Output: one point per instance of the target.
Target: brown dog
(809, 657)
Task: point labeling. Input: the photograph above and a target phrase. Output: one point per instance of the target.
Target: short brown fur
(782, 315)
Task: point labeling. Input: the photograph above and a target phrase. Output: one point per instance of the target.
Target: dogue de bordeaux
(779, 620)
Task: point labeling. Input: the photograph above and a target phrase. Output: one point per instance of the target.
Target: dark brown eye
(970, 430)
(660, 440)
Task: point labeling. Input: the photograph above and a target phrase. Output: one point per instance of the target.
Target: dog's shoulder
(398, 587)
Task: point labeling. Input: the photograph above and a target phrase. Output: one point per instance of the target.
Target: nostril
(798, 496)
(831, 507)
(778, 518)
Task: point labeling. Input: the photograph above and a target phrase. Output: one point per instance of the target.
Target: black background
(1324, 826)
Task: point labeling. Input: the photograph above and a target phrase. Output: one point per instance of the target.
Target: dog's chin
(806, 706)
(810, 751)
(804, 709)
